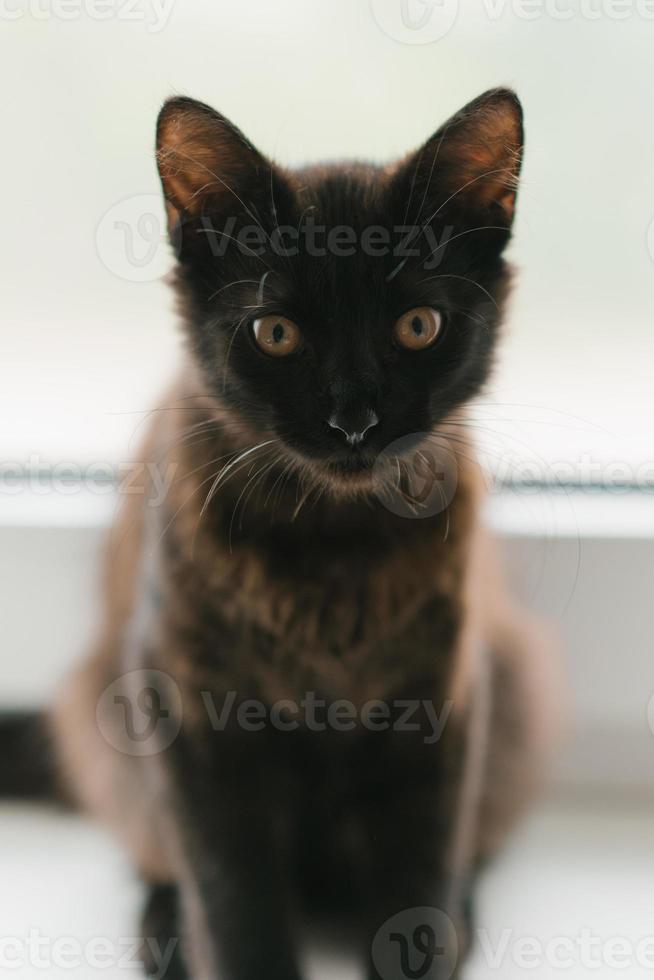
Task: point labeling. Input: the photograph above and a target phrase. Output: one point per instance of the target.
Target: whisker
(461, 234)
(237, 282)
(250, 485)
(227, 468)
(473, 282)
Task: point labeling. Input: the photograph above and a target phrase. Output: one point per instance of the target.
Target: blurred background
(89, 341)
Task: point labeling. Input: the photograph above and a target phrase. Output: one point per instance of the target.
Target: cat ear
(205, 163)
(472, 163)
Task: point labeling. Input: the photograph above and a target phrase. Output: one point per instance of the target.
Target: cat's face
(340, 309)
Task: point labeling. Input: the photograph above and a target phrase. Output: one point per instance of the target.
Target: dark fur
(28, 770)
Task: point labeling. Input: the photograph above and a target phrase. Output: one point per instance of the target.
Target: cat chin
(350, 483)
(342, 479)
(369, 475)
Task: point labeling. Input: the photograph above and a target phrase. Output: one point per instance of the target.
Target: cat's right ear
(206, 164)
(471, 164)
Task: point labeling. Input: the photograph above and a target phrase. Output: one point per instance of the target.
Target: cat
(311, 691)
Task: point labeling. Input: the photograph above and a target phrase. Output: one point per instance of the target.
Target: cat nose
(354, 426)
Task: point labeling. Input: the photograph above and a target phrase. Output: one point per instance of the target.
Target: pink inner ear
(201, 159)
(489, 147)
(475, 159)
(191, 169)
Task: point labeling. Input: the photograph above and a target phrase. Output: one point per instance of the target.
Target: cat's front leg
(222, 819)
(420, 808)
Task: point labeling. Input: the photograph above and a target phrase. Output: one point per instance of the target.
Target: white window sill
(513, 512)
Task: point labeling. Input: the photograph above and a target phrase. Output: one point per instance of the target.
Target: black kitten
(310, 690)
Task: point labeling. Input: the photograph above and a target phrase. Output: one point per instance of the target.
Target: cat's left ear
(471, 164)
(206, 164)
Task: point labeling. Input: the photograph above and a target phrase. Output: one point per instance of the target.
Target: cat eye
(419, 328)
(276, 335)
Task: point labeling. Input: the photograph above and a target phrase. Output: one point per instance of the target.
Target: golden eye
(418, 328)
(276, 335)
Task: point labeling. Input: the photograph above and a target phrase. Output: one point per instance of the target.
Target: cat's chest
(359, 656)
(353, 627)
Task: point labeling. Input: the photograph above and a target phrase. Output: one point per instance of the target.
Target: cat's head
(340, 308)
